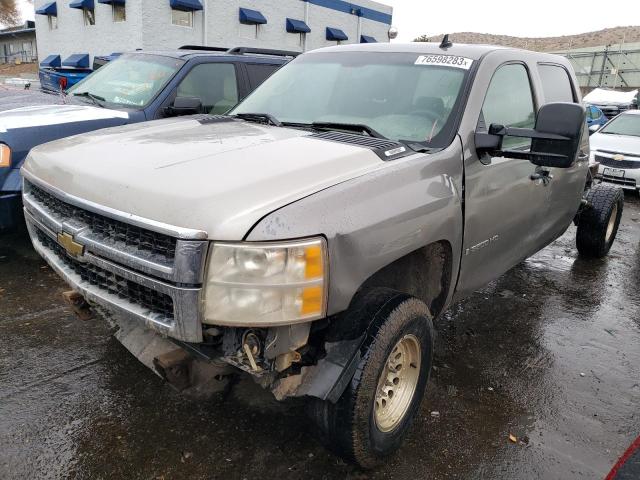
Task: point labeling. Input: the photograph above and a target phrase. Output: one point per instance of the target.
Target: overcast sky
(539, 18)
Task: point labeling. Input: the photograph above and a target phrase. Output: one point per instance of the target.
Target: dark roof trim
(11, 33)
(336, 35)
(251, 17)
(48, 9)
(112, 2)
(347, 7)
(297, 26)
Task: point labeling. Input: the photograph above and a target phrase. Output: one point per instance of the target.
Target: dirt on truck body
(309, 238)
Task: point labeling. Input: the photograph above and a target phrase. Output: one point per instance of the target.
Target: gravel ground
(548, 353)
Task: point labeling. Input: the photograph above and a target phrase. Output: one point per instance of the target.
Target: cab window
(555, 84)
(214, 84)
(259, 72)
(509, 102)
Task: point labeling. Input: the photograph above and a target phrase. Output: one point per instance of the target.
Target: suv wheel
(371, 418)
(598, 223)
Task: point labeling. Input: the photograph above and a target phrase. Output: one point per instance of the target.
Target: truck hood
(44, 115)
(615, 143)
(217, 176)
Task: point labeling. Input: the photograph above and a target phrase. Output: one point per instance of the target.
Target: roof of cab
(187, 54)
(472, 51)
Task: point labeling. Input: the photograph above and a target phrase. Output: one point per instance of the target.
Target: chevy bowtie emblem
(72, 247)
(618, 157)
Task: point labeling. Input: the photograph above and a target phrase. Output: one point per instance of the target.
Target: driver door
(503, 205)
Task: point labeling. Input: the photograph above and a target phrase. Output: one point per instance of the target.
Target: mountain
(546, 44)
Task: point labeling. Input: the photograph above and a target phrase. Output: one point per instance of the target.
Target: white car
(616, 146)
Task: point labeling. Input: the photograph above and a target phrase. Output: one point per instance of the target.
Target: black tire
(349, 426)
(595, 232)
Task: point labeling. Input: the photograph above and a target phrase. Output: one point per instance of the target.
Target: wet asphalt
(548, 353)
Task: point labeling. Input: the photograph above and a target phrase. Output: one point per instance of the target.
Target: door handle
(583, 156)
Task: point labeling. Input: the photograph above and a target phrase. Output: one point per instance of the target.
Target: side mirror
(185, 106)
(593, 129)
(554, 140)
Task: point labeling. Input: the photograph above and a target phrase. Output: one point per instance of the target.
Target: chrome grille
(109, 282)
(107, 230)
(610, 162)
(141, 269)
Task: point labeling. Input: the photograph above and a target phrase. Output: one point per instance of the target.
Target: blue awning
(251, 17)
(112, 2)
(88, 4)
(77, 60)
(297, 26)
(367, 39)
(52, 61)
(336, 35)
(186, 5)
(48, 9)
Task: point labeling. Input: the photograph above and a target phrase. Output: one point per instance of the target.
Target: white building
(100, 27)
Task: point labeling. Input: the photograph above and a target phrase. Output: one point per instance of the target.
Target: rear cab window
(259, 72)
(556, 84)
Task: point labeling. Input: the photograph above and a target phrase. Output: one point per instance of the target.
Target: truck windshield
(131, 80)
(625, 124)
(398, 95)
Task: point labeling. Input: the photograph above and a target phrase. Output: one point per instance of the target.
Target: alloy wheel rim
(397, 383)
(612, 223)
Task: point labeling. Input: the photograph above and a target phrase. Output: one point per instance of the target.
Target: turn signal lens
(266, 284)
(5, 156)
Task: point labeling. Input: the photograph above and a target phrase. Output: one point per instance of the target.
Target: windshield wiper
(97, 99)
(352, 127)
(260, 117)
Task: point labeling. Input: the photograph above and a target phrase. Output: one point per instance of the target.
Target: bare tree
(10, 13)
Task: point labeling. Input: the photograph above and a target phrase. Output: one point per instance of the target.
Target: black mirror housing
(554, 140)
(562, 119)
(185, 106)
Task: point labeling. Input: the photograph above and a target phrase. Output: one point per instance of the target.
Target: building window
(119, 12)
(181, 18)
(89, 16)
(53, 22)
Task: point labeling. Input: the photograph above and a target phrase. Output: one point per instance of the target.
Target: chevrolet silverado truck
(133, 88)
(310, 237)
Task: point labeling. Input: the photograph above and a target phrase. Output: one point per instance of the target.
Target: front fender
(372, 220)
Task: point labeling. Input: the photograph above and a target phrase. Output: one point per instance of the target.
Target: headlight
(266, 283)
(5, 156)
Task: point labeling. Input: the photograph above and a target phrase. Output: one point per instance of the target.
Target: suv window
(594, 113)
(259, 72)
(214, 84)
(509, 102)
(555, 84)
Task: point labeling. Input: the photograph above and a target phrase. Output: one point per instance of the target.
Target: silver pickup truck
(310, 237)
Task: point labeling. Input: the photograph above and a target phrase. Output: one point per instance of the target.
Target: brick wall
(148, 26)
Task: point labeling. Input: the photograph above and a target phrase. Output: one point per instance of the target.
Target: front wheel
(598, 223)
(373, 415)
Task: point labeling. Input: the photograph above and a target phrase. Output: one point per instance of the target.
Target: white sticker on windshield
(445, 61)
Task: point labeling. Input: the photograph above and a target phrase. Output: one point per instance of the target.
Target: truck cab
(311, 237)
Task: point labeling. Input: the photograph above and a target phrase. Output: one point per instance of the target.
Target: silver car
(616, 146)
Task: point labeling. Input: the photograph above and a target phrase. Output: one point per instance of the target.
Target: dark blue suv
(134, 88)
